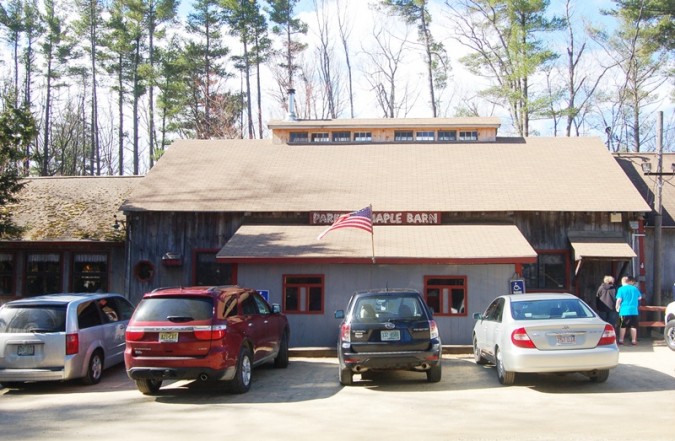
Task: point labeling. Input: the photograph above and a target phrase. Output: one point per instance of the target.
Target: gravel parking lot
(305, 402)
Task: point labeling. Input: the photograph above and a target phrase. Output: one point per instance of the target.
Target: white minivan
(58, 337)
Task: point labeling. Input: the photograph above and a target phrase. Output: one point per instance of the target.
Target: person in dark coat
(605, 301)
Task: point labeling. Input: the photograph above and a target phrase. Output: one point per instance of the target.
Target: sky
(462, 85)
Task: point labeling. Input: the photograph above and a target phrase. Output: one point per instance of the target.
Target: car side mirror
(276, 308)
(477, 316)
(339, 314)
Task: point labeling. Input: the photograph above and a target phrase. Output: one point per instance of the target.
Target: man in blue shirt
(627, 303)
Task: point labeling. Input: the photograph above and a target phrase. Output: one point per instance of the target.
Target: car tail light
(209, 332)
(608, 336)
(520, 338)
(72, 344)
(433, 327)
(134, 334)
(346, 332)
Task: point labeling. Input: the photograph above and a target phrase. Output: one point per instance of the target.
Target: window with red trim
(446, 295)
(207, 271)
(303, 294)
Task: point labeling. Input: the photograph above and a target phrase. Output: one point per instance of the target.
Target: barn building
(459, 213)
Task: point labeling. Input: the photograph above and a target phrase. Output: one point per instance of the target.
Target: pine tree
(17, 131)
(416, 12)
(281, 13)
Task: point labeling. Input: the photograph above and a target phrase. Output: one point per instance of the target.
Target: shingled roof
(647, 185)
(531, 174)
(72, 208)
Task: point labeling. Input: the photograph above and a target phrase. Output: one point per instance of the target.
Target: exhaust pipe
(203, 376)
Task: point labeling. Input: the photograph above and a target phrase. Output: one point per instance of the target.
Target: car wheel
(148, 387)
(94, 369)
(282, 357)
(669, 334)
(12, 384)
(505, 377)
(600, 376)
(477, 356)
(242, 379)
(346, 376)
(434, 373)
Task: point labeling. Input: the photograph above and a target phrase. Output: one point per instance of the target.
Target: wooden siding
(153, 234)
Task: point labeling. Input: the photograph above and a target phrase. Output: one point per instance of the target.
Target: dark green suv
(388, 330)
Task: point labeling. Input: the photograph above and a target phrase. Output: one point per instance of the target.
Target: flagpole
(372, 235)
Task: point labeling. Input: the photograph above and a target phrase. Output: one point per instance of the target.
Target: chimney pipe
(291, 106)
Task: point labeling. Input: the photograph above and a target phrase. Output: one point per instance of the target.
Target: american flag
(362, 219)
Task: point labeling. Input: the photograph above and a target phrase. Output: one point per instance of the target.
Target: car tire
(12, 384)
(477, 356)
(346, 376)
(148, 386)
(434, 373)
(669, 334)
(281, 361)
(505, 377)
(600, 376)
(242, 378)
(94, 369)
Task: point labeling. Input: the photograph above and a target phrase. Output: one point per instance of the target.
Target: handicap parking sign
(518, 286)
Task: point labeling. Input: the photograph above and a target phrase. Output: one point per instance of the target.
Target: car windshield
(387, 307)
(180, 309)
(550, 309)
(32, 318)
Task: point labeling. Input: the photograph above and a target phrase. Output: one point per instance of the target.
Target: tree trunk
(427, 44)
(120, 109)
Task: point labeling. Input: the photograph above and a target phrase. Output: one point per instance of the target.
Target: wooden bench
(653, 323)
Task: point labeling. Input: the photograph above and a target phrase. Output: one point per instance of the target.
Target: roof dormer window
(299, 137)
(403, 135)
(468, 136)
(363, 137)
(425, 136)
(320, 137)
(447, 135)
(342, 136)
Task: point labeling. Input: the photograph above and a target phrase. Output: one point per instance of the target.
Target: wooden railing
(661, 310)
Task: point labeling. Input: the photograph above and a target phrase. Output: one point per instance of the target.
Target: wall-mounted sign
(264, 293)
(517, 286)
(384, 218)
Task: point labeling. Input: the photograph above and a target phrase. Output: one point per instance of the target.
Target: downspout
(641, 254)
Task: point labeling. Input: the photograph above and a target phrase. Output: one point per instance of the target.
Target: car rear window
(168, 308)
(388, 306)
(33, 318)
(550, 309)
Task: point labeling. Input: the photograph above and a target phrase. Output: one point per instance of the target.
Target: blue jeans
(611, 317)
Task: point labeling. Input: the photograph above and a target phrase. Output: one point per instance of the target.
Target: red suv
(204, 333)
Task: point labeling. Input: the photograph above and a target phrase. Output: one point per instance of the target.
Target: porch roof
(446, 244)
(606, 247)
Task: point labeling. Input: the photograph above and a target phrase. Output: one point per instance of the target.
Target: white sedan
(544, 333)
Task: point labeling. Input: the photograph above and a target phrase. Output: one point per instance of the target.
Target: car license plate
(566, 339)
(168, 337)
(25, 350)
(394, 335)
